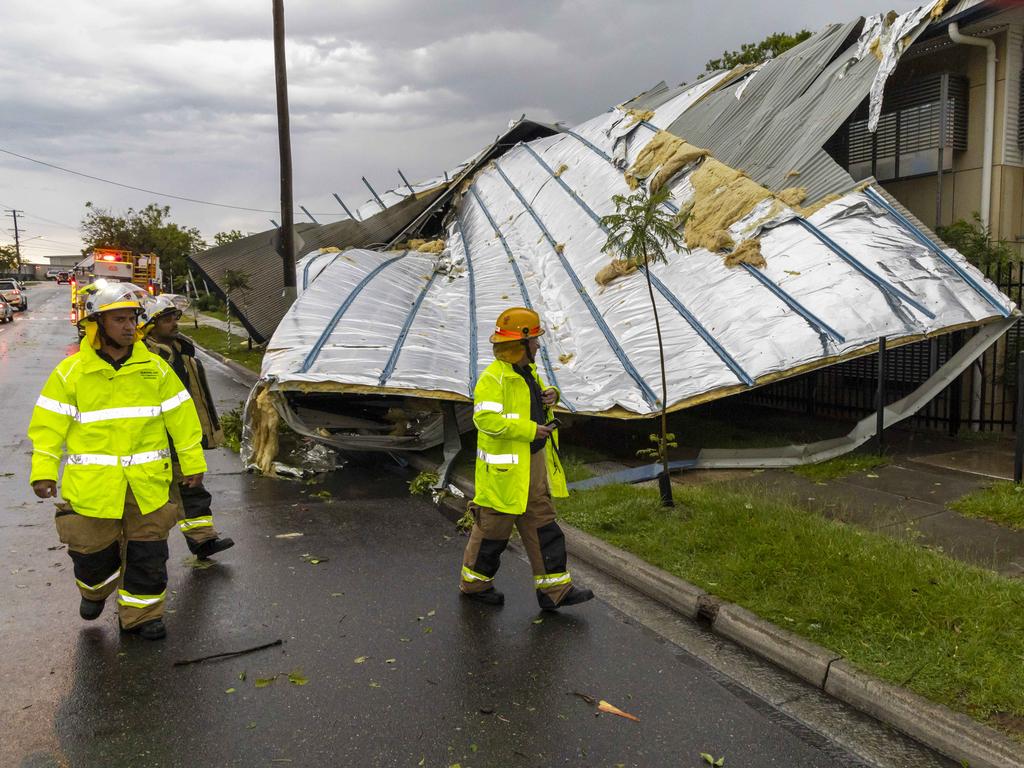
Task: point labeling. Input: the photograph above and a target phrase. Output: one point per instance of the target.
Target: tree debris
(604, 706)
(227, 654)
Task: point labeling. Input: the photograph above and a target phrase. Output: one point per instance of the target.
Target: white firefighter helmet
(114, 296)
(155, 307)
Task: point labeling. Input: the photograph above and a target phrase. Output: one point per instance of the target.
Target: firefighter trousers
(127, 554)
(195, 516)
(541, 536)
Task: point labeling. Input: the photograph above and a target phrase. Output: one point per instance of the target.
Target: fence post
(1018, 453)
(880, 398)
(956, 391)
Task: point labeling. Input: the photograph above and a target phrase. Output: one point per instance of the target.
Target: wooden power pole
(286, 241)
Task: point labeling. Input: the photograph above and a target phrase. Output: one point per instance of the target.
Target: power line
(41, 218)
(141, 189)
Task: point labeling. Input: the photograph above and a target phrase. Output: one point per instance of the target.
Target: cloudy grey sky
(179, 97)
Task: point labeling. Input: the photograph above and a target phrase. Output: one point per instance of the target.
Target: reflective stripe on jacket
(501, 413)
(115, 426)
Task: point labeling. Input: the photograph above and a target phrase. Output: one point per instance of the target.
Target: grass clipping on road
(216, 340)
(1001, 503)
(951, 632)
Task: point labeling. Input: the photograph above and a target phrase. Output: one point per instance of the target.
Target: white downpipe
(986, 176)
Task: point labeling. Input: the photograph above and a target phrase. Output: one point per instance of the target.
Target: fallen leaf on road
(230, 690)
(872, 474)
(611, 709)
(195, 562)
(295, 677)
(294, 535)
(250, 726)
(337, 594)
(711, 761)
(263, 682)
(431, 612)
(360, 659)
(585, 697)
(389, 661)
(374, 684)
(241, 676)
(538, 621)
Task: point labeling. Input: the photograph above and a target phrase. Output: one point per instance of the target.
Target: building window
(909, 132)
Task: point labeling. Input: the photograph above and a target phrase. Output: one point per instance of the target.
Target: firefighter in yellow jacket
(158, 324)
(517, 470)
(113, 404)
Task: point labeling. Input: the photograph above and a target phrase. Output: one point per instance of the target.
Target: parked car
(6, 313)
(12, 292)
(63, 277)
(51, 274)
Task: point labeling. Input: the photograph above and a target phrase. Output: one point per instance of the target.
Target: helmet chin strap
(530, 354)
(105, 340)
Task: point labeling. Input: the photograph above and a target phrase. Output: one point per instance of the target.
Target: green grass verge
(1001, 503)
(574, 467)
(217, 313)
(951, 632)
(216, 340)
(842, 466)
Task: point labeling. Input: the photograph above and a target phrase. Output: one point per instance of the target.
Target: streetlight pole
(286, 240)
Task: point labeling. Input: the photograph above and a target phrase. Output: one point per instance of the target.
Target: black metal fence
(848, 390)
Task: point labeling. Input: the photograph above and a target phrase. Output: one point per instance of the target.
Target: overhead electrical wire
(143, 189)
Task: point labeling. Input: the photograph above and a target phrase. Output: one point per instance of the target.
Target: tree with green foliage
(149, 230)
(638, 233)
(756, 53)
(9, 261)
(972, 239)
(235, 280)
(230, 236)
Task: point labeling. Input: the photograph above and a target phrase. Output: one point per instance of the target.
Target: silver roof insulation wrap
(527, 233)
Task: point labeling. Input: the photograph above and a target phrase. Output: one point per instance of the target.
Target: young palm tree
(235, 280)
(639, 232)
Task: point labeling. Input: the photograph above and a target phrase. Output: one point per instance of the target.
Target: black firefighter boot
(150, 630)
(208, 549)
(574, 596)
(90, 610)
(487, 597)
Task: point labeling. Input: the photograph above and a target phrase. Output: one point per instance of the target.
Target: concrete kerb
(950, 733)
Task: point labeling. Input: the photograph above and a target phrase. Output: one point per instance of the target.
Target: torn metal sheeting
(525, 229)
(261, 308)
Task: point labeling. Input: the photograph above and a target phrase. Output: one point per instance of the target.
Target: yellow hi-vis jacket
(501, 413)
(115, 426)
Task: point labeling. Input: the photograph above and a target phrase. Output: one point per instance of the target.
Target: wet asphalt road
(400, 671)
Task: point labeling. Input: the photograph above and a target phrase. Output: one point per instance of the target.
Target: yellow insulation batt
(617, 268)
(663, 157)
(263, 423)
(421, 246)
(792, 196)
(747, 252)
(638, 116)
(722, 196)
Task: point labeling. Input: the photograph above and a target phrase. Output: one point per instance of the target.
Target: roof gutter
(990, 113)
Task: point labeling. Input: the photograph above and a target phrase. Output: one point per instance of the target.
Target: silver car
(6, 313)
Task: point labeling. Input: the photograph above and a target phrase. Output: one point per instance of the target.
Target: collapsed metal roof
(262, 307)
(814, 285)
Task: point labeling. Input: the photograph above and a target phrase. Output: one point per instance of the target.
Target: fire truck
(113, 265)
